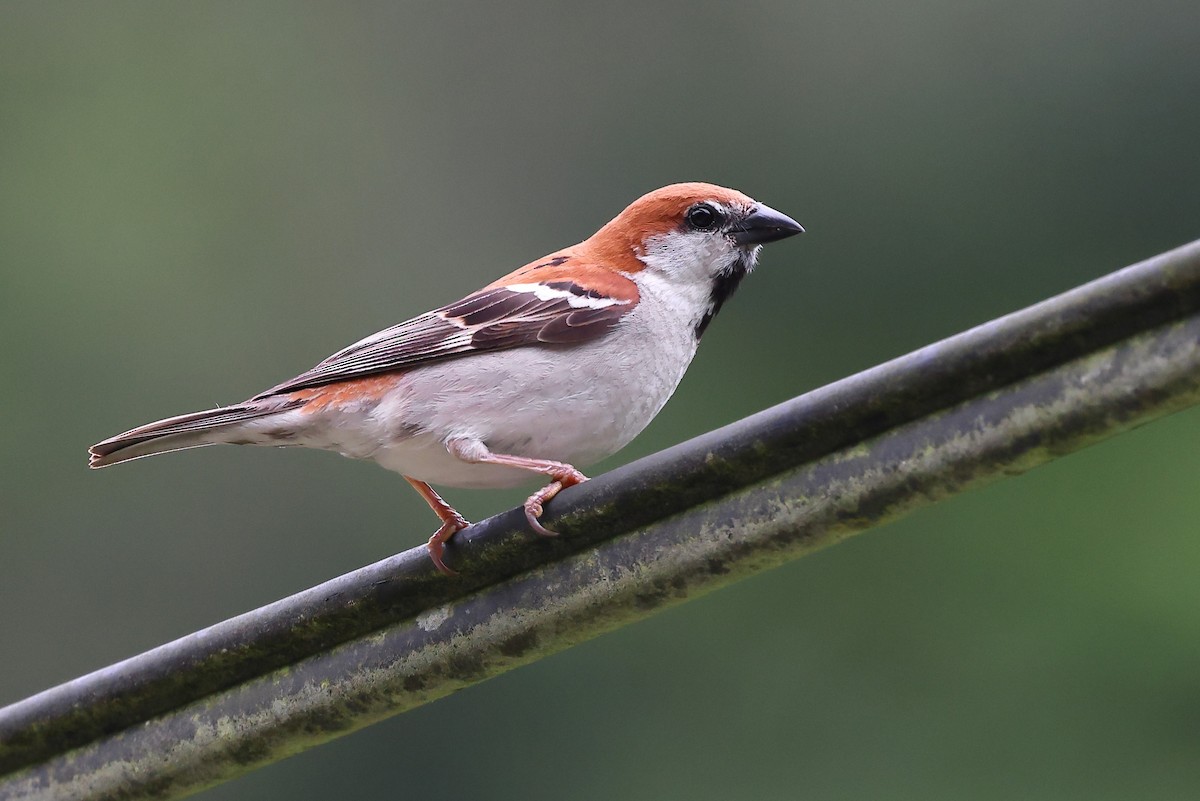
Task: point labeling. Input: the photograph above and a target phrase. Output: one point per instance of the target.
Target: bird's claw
(533, 510)
(566, 477)
(437, 543)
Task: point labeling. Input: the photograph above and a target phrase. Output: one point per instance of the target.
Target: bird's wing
(553, 312)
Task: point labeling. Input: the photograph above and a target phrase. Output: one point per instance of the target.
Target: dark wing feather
(577, 326)
(491, 319)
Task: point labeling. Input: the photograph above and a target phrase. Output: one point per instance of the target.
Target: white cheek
(690, 256)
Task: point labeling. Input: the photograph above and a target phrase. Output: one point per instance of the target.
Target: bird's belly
(524, 403)
(426, 458)
(569, 419)
(575, 405)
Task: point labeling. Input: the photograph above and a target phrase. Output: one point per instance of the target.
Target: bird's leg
(452, 523)
(564, 476)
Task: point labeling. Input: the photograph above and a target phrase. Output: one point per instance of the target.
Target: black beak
(763, 225)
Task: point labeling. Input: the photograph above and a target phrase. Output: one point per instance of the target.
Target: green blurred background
(199, 200)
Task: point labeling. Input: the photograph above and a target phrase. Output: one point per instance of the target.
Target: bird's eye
(703, 217)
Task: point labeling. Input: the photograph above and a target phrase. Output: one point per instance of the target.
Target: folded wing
(557, 312)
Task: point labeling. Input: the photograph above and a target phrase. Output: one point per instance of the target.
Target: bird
(560, 363)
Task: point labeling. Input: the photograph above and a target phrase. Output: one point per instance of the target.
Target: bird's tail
(193, 430)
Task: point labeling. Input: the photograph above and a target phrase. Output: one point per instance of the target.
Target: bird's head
(696, 236)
